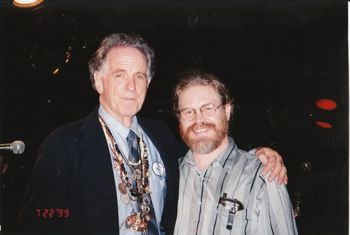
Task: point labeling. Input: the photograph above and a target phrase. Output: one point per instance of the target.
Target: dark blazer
(72, 190)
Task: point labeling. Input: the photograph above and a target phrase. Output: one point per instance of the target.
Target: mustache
(197, 126)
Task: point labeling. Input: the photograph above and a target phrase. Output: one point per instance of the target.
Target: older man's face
(203, 134)
(122, 83)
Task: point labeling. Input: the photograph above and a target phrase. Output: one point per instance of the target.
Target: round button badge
(158, 168)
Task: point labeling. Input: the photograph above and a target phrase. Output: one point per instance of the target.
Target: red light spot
(325, 125)
(326, 104)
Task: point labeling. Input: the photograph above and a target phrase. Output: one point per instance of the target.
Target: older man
(111, 172)
(221, 188)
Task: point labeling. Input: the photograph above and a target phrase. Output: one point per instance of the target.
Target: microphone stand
(1, 211)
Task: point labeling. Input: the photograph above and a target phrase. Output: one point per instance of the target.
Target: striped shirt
(235, 178)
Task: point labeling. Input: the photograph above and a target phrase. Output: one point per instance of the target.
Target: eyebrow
(118, 71)
(142, 73)
(123, 71)
(198, 108)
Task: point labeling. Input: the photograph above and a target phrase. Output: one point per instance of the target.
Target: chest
(221, 202)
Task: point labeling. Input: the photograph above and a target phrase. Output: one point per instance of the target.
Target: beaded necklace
(136, 221)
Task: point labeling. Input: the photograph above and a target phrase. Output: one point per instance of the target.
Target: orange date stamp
(52, 212)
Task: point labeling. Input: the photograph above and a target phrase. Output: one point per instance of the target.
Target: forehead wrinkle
(127, 56)
(198, 95)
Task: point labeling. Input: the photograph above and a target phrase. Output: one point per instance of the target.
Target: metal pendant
(147, 217)
(116, 166)
(135, 223)
(122, 188)
(142, 226)
(145, 209)
(125, 198)
(119, 158)
(146, 199)
(133, 194)
(136, 175)
(130, 221)
(133, 176)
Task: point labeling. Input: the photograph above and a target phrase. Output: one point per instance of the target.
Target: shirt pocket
(222, 221)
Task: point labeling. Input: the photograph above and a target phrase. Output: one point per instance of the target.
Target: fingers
(279, 173)
(268, 165)
(275, 171)
(271, 160)
(283, 177)
(268, 154)
(273, 164)
(263, 158)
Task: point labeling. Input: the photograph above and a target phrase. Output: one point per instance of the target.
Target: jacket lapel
(97, 170)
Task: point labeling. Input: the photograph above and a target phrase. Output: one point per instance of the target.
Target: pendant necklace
(136, 221)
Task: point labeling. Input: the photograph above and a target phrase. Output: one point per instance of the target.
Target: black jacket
(72, 190)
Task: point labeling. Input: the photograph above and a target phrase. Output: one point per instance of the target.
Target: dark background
(277, 56)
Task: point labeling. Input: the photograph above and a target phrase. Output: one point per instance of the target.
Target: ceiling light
(55, 72)
(326, 104)
(324, 125)
(26, 3)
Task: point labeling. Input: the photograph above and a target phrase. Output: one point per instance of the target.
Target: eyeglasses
(207, 110)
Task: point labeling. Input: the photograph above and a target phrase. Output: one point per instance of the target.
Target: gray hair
(97, 61)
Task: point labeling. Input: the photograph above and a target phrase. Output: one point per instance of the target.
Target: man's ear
(98, 82)
(149, 79)
(228, 109)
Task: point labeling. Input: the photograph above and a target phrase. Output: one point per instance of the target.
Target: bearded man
(222, 190)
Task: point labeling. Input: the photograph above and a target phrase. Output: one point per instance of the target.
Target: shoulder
(68, 135)
(162, 137)
(65, 132)
(153, 124)
(252, 163)
(76, 129)
(248, 167)
(156, 129)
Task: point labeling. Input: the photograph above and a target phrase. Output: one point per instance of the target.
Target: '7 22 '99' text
(53, 212)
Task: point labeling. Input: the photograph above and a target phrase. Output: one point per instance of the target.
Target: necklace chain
(137, 221)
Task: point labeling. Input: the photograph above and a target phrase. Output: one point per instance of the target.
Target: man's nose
(198, 116)
(131, 84)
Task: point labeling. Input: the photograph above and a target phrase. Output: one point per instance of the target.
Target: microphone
(17, 147)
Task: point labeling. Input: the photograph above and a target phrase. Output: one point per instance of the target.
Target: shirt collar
(117, 127)
(221, 159)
